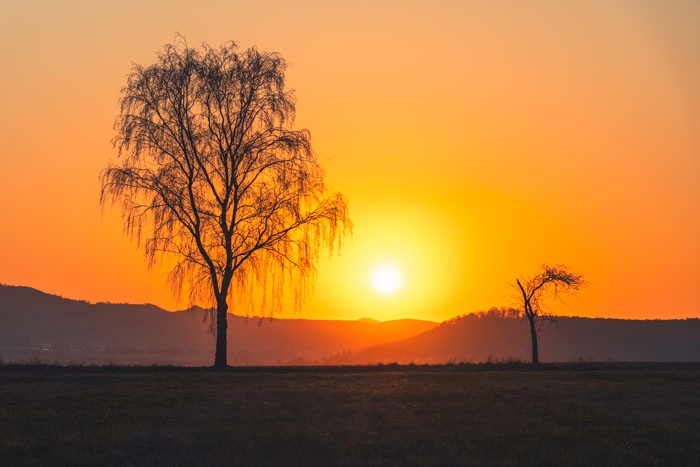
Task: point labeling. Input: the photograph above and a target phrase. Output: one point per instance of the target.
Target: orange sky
(474, 140)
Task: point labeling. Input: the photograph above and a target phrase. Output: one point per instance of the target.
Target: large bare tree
(550, 282)
(213, 175)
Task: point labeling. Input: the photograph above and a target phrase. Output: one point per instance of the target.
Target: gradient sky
(475, 140)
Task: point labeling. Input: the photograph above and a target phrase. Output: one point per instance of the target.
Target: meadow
(490, 414)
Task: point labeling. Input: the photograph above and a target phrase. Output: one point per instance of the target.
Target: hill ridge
(38, 326)
(35, 325)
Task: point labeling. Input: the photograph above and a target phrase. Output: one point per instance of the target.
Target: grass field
(584, 414)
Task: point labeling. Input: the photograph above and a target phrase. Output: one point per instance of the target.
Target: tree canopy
(214, 177)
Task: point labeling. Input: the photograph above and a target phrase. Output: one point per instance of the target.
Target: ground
(576, 414)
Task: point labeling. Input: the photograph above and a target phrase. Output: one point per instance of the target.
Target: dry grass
(584, 414)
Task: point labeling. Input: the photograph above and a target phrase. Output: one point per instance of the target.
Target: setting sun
(386, 279)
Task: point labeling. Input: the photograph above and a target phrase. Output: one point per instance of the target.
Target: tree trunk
(535, 351)
(220, 357)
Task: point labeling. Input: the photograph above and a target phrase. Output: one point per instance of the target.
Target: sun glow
(386, 279)
(405, 261)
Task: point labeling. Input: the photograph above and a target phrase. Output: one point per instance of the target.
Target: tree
(214, 177)
(551, 281)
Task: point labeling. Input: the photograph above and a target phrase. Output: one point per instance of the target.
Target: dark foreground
(595, 414)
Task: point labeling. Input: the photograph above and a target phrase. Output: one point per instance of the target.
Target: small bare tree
(551, 281)
(214, 176)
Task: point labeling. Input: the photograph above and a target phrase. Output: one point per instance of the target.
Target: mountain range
(38, 327)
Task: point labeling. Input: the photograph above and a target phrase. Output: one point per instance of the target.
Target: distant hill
(482, 337)
(35, 326)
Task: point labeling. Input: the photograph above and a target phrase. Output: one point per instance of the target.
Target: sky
(474, 140)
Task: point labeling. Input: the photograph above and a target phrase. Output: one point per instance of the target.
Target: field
(579, 414)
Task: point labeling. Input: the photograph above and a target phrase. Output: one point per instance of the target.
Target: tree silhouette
(214, 177)
(552, 281)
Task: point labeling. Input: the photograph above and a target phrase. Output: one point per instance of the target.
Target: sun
(386, 279)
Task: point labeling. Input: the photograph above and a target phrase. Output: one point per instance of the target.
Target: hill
(491, 336)
(35, 326)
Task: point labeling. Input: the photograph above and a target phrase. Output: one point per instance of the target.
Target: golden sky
(475, 140)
